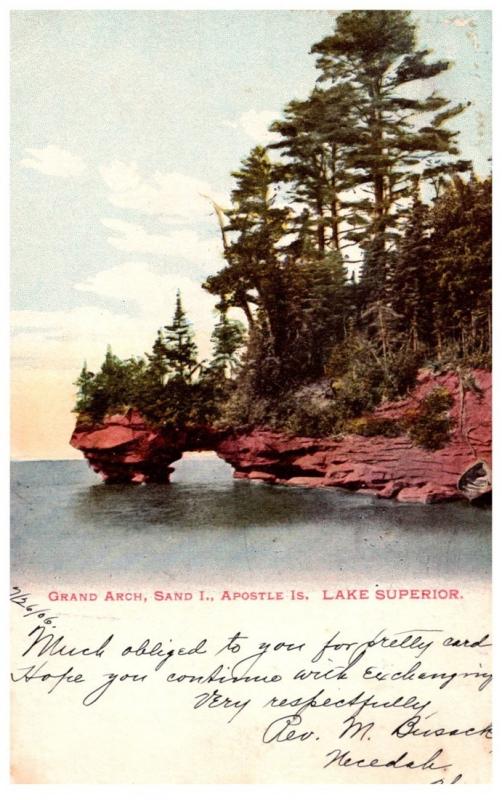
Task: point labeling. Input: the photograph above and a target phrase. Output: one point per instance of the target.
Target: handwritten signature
(351, 710)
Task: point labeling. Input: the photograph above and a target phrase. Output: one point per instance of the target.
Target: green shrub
(429, 426)
(402, 369)
(310, 420)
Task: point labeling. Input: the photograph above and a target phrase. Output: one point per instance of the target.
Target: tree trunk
(335, 238)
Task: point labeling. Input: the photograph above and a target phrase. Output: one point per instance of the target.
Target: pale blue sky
(120, 121)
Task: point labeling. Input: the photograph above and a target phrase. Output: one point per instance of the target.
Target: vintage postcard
(251, 397)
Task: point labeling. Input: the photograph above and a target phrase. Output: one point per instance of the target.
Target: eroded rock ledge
(125, 449)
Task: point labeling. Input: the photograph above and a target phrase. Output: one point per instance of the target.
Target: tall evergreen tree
(318, 302)
(412, 286)
(227, 339)
(316, 136)
(374, 52)
(461, 244)
(174, 350)
(253, 276)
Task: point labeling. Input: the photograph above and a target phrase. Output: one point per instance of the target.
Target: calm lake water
(67, 525)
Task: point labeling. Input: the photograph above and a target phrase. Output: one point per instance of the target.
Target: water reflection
(206, 522)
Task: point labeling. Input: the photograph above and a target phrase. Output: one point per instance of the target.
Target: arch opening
(201, 465)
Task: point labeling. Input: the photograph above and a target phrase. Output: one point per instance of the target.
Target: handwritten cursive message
(383, 701)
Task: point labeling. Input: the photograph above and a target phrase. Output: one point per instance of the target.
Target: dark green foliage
(259, 383)
(227, 340)
(308, 420)
(164, 387)
(287, 267)
(412, 285)
(174, 352)
(373, 54)
(430, 426)
(323, 347)
(112, 389)
(318, 300)
(317, 138)
(361, 378)
(252, 275)
(441, 282)
(402, 367)
(461, 242)
(165, 393)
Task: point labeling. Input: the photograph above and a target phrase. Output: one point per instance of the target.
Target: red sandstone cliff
(383, 466)
(125, 449)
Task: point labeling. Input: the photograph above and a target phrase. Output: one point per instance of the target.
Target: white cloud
(255, 124)
(187, 244)
(61, 340)
(53, 160)
(170, 195)
(148, 299)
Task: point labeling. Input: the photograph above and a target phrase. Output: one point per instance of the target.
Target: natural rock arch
(125, 449)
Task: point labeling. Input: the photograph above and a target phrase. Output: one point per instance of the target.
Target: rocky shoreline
(125, 449)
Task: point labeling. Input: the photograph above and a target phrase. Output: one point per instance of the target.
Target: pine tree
(174, 353)
(227, 339)
(461, 244)
(109, 390)
(374, 52)
(253, 275)
(412, 287)
(316, 136)
(318, 310)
